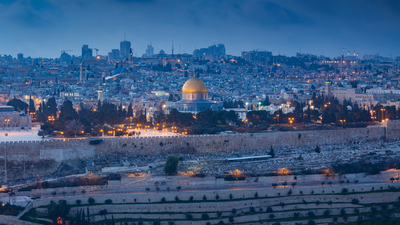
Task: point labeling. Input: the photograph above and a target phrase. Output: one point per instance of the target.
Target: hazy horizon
(43, 28)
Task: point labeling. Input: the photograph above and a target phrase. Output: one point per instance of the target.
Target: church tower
(82, 72)
(130, 58)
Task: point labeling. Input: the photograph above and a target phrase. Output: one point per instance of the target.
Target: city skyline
(44, 28)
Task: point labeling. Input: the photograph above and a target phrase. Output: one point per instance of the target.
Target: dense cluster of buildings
(209, 76)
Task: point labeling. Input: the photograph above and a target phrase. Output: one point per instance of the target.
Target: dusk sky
(42, 28)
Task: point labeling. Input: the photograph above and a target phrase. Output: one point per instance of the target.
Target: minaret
(100, 93)
(82, 72)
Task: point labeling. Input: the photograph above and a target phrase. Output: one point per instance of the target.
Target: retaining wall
(28, 158)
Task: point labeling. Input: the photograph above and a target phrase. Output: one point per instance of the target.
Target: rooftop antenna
(172, 46)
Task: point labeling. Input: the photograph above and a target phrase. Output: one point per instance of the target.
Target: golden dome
(194, 85)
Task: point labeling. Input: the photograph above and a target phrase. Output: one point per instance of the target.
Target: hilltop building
(12, 119)
(194, 98)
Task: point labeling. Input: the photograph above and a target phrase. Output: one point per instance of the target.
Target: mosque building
(194, 98)
(13, 119)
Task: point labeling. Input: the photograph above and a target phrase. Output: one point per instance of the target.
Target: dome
(194, 85)
(124, 70)
(117, 71)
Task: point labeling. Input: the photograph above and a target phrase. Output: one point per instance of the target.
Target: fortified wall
(25, 159)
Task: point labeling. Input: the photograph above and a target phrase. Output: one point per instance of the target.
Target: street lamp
(342, 121)
(291, 120)
(7, 120)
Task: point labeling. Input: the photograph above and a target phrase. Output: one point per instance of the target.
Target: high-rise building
(65, 58)
(149, 51)
(87, 53)
(113, 55)
(211, 50)
(257, 56)
(124, 47)
(20, 57)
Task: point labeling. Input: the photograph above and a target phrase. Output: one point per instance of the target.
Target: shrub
(204, 198)
(284, 183)
(256, 195)
(205, 216)
(53, 193)
(289, 192)
(177, 198)
(171, 165)
(282, 204)
(191, 198)
(356, 211)
(330, 203)
(156, 222)
(317, 202)
(274, 185)
(327, 212)
(296, 214)
(360, 220)
(91, 200)
(311, 214)
(252, 209)
(311, 222)
(78, 201)
(269, 209)
(208, 223)
(344, 191)
(221, 222)
(163, 199)
(342, 211)
(108, 201)
(219, 214)
(271, 216)
(231, 219)
(103, 212)
(189, 216)
(230, 196)
(335, 219)
(345, 218)
(217, 197)
(355, 201)
(234, 211)
(384, 207)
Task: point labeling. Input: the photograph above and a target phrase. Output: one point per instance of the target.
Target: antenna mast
(172, 46)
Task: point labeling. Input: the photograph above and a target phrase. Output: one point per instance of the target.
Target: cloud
(279, 26)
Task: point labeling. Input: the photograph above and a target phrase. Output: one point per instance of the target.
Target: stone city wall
(28, 158)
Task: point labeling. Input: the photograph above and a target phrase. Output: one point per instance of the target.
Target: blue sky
(42, 28)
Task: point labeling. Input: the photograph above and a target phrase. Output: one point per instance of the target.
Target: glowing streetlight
(342, 121)
(7, 120)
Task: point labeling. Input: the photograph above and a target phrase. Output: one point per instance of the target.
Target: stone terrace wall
(26, 159)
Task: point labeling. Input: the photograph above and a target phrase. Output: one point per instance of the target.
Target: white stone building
(12, 119)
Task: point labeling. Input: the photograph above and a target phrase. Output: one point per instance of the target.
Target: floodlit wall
(28, 158)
